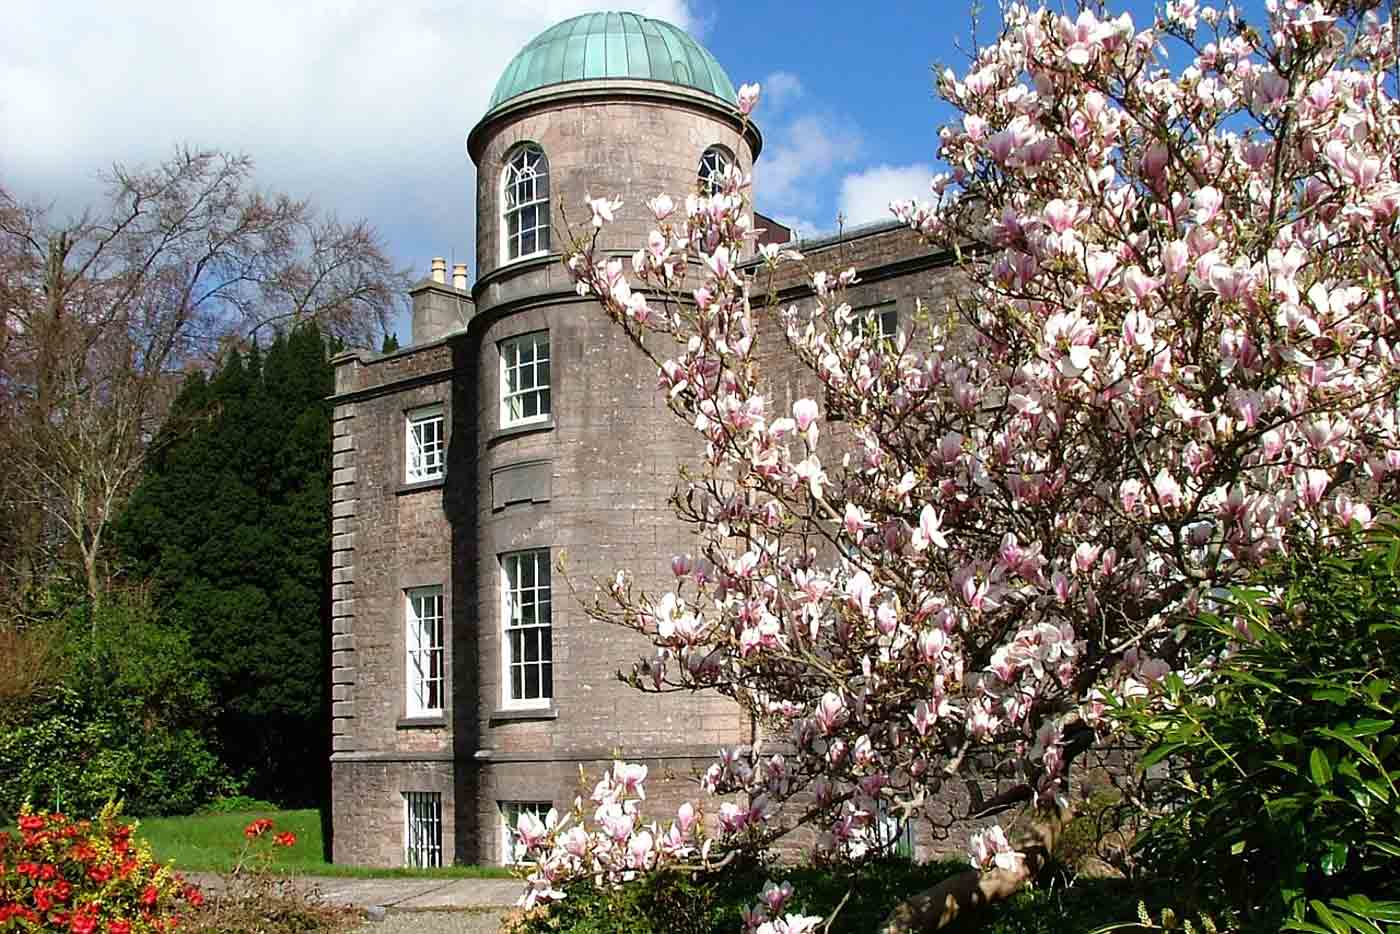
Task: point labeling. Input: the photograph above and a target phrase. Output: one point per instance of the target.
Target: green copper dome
(612, 45)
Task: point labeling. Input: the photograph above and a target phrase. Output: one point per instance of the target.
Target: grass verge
(211, 843)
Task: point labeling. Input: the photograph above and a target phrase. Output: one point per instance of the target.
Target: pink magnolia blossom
(1173, 354)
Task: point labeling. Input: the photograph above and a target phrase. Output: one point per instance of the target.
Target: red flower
(43, 899)
(58, 818)
(120, 831)
(257, 828)
(83, 923)
(48, 872)
(83, 853)
(120, 845)
(285, 838)
(127, 868)
(61, 890)
(27, 868)
(31, 822)
(118, 926)
(100, 874)
(150, 896)
(194, 896)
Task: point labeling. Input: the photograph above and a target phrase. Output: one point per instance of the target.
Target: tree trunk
(963, 896)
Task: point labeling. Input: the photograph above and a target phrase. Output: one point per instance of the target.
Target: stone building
(520, 432)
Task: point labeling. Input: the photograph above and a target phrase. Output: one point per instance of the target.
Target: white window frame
(517, 398)
(881, 319)
(519, 601)
(510, 812)
(425, 444)
(425, 652)
(524, 193)
(422, 829)
(888, 836)
(714, 162)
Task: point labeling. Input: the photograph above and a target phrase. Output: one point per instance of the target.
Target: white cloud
(779, 89)
(791, 172)
(800, 226)
(363, 105)
(866, 195)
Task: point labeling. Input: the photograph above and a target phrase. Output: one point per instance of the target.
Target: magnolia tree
(1174, 358)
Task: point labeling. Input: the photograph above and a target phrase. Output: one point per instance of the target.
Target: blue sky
(364, 105)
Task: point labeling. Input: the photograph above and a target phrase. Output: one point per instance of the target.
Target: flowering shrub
(260, 844)
(1174, 360)
(257, 895)
(87, 877)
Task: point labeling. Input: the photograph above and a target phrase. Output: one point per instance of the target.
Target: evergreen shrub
(1284, 757)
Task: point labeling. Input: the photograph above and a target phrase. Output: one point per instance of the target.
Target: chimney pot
(439, 269)
(459, 277)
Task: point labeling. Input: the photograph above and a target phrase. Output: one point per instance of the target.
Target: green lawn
(212, 843)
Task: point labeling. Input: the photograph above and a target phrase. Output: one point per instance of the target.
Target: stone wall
(602, 148)
(388, 536)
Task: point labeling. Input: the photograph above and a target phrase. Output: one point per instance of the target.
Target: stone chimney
(440, 309)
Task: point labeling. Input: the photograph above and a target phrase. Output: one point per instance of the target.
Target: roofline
(590, 90)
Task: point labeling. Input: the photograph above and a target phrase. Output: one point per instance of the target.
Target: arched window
(713, 164)
(525, 202)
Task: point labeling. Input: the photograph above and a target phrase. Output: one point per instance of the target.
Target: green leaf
(1158, 753)
(1335, 695)
(1379, 789)
(1321, 768)
(1393, 850)
(1353, 744)
(1334, 857)
(1329, 919)
(1244, 676)
(1369, 727)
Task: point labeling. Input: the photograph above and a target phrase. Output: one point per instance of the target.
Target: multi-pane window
(890, 836)
(525, 378)
(877, 323)
(422, 835)
(880, 322)
(426, 448)
(426, 683)
(510, 820)
(713, 164)
(525, 202)
(528, 654)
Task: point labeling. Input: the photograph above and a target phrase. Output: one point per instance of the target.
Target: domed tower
(575, 454)
(514, 454)
(604, 104)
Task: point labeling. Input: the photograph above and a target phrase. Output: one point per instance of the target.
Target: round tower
(573, 455)
(601, 105)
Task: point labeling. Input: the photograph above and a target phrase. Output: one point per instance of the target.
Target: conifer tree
(230, 525)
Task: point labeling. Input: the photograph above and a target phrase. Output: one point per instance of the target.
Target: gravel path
(485, 921)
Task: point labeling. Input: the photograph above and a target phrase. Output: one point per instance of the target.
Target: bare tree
(98, 316)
